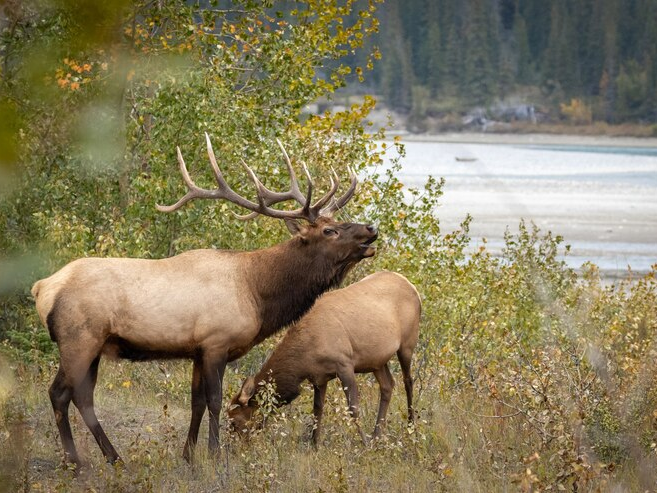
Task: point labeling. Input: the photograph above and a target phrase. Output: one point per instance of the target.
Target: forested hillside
(467, 53)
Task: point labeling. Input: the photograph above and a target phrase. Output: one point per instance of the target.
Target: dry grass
(146, 417)
(455, 445)
(529, 377)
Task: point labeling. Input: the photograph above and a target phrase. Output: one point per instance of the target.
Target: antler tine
(294, 184)
(245, 217)
(194, 191)
(342, 201)
(317, 206)
(213, 162)
(337, 204)
(335, 175)
(258, 184)
(253, 176)
(330, 198)
(335, 184)
(309, 194)
(261, 190)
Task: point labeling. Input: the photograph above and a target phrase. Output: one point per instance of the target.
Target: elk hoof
(117, 463)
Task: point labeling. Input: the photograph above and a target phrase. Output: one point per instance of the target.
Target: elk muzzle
(367, 249)
(242, 420)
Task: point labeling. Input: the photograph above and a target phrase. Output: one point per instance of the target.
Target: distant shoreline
(610, 222)
(528, 139)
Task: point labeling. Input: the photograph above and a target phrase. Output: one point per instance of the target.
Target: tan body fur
(137, 301)
(357, 329)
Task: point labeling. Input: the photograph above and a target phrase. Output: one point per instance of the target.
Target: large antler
(266, 197)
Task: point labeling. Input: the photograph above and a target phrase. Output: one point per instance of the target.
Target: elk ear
(247, 391)
(295, 227)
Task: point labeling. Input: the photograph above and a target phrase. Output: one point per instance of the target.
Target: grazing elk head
(312, 223)
(242, 408)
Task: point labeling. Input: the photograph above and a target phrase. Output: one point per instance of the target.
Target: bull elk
(210, 306)
(356, 329)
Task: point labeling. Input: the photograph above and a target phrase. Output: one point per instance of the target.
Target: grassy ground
(455, 445)
(143, 407)
(529, 377)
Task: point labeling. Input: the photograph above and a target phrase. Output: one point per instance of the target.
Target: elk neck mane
(289, 277)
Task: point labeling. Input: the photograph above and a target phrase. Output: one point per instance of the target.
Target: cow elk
(356, 329)
(210, 306)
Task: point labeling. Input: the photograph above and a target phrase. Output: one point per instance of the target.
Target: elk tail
(35, 289)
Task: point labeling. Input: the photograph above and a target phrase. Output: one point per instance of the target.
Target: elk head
(349, 241)
(242, 409)
(312, 222)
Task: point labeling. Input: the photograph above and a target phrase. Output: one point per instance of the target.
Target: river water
(602, 199)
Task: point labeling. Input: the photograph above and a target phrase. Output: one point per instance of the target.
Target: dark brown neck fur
(288, 278)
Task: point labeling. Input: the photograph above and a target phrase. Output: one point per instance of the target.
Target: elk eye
(329, 232)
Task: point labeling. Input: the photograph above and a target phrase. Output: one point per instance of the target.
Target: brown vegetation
(593, 129)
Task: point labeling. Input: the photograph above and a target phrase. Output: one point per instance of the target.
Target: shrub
(576, 112)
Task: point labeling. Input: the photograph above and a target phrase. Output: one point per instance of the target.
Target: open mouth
(368, 243)
(367, 249)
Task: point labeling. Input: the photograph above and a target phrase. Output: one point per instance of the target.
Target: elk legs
(76, 382)
(318, 410)
(348, 380)
(83, 398)
(386, 384)
(405, 356)
(213, 374)
(60, 397)
(198, 408)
